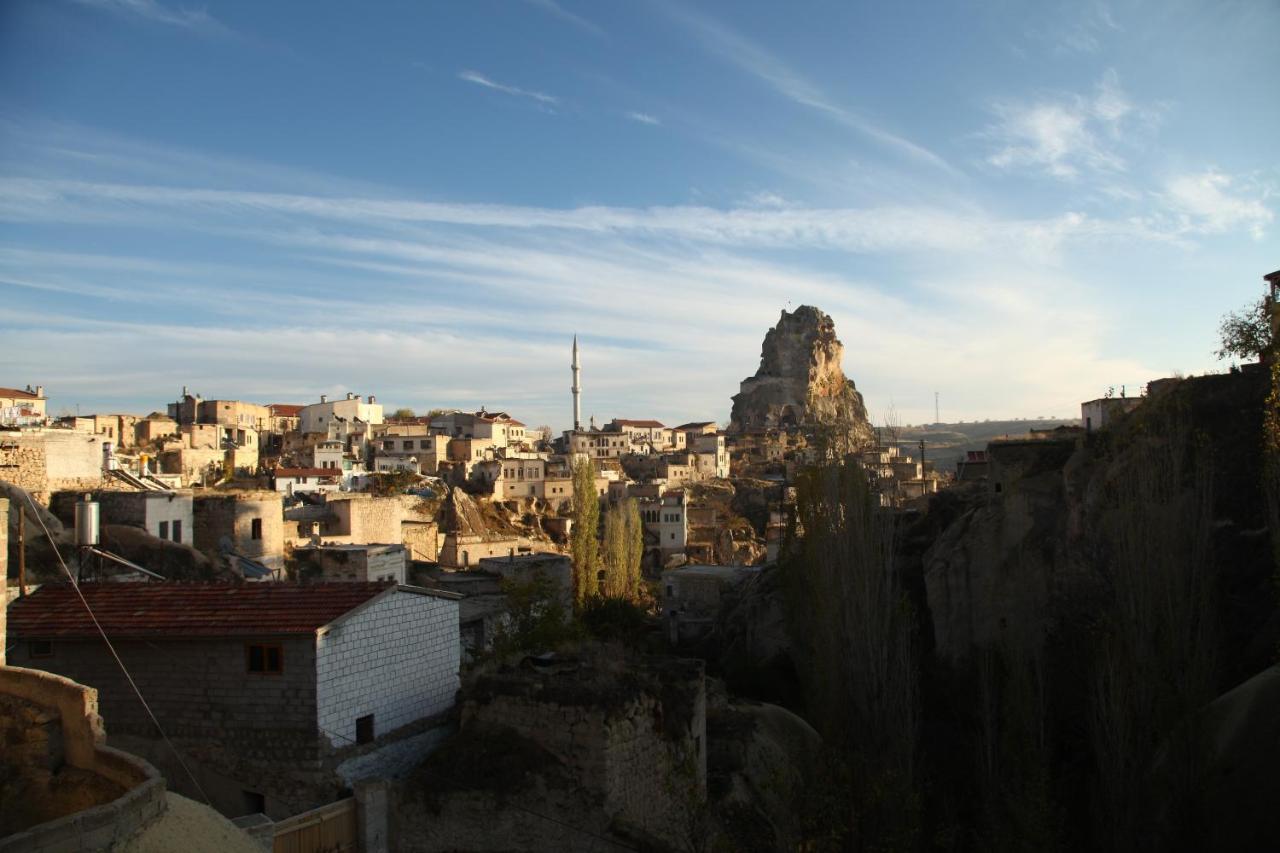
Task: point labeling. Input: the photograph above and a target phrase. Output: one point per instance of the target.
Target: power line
(123, 668)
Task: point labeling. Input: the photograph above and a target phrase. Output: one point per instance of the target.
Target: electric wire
(128, 676)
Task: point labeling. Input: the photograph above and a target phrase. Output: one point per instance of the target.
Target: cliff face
(800, 383)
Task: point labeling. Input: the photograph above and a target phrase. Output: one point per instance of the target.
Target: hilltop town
(452, 630)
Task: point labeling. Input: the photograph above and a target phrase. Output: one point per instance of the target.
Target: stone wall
(4, 576)
(232, 515)
(636, 738)
(396, 659)
(257, 729)
(89, 796)
(44, 461)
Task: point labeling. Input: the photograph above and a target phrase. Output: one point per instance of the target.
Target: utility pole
(922, 459)
(22, 550)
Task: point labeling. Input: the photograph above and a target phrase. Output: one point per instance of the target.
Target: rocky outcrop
(800, 384)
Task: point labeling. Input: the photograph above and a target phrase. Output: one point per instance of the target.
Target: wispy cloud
(643, 118)
(1063, 136)
(1212, 202)
(757, 61)
(481, 80)
(151, 10)
(554, 8)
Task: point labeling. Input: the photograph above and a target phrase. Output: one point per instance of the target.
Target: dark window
(177, 530)
(254, 803)
(364, 729)
(263, 658)
(39, 648)
(164, 530)
(255, 529)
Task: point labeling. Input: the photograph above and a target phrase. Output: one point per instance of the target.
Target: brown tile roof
(696, 425)
(308, 472)
(647, 424)
(285, 410)
(18, 394)
(176, 609)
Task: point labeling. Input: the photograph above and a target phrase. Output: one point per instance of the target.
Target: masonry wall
(231, 514)
(648, 767)
(44, 461)
(397, 659)
(255, 729)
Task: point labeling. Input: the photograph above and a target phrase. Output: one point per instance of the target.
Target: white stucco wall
(397, 659)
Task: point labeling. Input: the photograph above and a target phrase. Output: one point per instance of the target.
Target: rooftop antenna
(937, 418)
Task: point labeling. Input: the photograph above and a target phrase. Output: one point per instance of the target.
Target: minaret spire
(576, 388)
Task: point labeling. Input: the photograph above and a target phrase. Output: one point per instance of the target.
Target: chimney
(324, 398)
(350, 395)
(39, 390)
(372, 399)
(184, 390)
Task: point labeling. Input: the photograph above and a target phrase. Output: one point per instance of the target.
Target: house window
(164, 530)
(254, 803)
(264, 658)
(255, 527)
(39, 648)
(364, 729)
(177, 530)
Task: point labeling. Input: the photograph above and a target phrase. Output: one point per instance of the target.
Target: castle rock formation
(800, 384)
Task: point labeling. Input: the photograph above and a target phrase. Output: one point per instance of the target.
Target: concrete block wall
(397, 659)
(255, 728)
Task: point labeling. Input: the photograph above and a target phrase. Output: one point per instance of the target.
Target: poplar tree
(583, 544)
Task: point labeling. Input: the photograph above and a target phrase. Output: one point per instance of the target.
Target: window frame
(265, 660)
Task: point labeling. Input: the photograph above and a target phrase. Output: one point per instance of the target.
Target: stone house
(44, 461)
(154, 428)
(296, 481)
(666, 520)
(165, 515)
(1097, 414)
(642, 436)
(499, 428)
(691, 597)
(408, 447)
(361, 563)
(264, 688)
(248, 524)
(712, 458)
(22, 408)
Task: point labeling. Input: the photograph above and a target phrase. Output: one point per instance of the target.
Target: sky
(1014, 206)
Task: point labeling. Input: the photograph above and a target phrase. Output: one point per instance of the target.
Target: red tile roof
(285, 410)
(18, 394)
(695, 425)
(175, 609)
(308, 472)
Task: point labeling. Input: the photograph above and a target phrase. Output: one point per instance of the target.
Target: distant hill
(945, 443)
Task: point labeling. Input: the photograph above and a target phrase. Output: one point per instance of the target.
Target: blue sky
(1014, 205)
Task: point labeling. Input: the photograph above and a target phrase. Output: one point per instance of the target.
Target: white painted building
(386, 663)
(319, 417)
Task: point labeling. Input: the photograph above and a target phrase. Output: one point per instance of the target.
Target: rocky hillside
(800, 383)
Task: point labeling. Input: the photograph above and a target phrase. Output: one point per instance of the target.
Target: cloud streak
(481, 80)
(760, 63)
(197, 20)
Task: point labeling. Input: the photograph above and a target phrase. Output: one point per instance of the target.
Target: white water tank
(87, 519)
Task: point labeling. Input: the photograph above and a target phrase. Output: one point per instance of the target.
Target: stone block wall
(232, 515)
(44, 461)
(397, 659)
(88, 795)
(645, 756)
(258, 729)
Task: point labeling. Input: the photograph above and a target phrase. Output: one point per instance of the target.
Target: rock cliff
(800, 383)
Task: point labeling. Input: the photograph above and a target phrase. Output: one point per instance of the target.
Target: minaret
(577, 387)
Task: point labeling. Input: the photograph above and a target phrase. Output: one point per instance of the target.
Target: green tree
(537, 619)
(635, 547)
(1245, 333)
(854, 629)
(403, 415)
(583, 542)
(623, 550)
